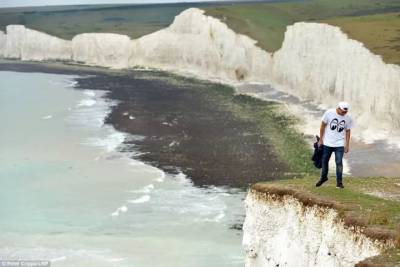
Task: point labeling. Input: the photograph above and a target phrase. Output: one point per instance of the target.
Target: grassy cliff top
(379, 33)
(267, 22)
(67, 21)
(371, 203)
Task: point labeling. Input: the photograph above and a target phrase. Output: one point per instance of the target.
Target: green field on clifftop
(267, 22)
(67, 21)
(379, 33)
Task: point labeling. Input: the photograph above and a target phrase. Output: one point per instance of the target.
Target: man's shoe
(341, 186)
(320, 182)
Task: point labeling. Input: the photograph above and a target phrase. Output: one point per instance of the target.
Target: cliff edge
(295, 225)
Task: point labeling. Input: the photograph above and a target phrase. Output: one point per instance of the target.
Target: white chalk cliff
(202, 46)
(27, 44)
(283, 232)
(3, 40)
(101, 49)
(319, 62)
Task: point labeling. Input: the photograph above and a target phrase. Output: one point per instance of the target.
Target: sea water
(70, 196)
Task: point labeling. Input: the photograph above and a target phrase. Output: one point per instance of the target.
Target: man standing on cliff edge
(335, 137)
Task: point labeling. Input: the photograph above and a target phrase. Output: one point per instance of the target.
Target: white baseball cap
(343, 106)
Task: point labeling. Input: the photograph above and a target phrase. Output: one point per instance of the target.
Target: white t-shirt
(336, 126)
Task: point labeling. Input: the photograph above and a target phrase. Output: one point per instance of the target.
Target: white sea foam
(87, 102)
(136, 163)
(141, 199)
(182, 178)
(72, 84)
(89, 93)
(92, 111)
(109, 143)
(122, 209)
(62, 256)
(161, 177)
(67, 83)
(217, 218)
(47, 117)
(146, 189)
(115, 213)
(196, 204)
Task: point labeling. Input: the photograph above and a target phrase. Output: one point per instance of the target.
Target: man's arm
(347, 146)
(322, 133)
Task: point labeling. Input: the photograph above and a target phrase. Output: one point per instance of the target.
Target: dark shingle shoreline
(186, 123)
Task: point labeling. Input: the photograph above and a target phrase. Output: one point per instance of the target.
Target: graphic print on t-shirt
(336, 125)
(342, 126)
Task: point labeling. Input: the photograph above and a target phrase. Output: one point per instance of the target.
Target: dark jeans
(326, 155)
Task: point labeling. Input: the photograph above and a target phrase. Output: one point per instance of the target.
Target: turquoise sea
(70, 196)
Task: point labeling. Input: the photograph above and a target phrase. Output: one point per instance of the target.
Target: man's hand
(320, 142)
(347, 144)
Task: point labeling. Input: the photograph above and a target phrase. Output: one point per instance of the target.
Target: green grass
(278, 127)
(355, 205)
(267, 22)
(389, 258)
(379, 33)
(356, 198)
(264, 23)
(67, 21)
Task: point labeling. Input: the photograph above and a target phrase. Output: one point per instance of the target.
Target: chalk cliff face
(3, 40)
(14, 40)
(27, 44)
(101, 49)
(319, 62)
(283, 232)
(203, 46)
